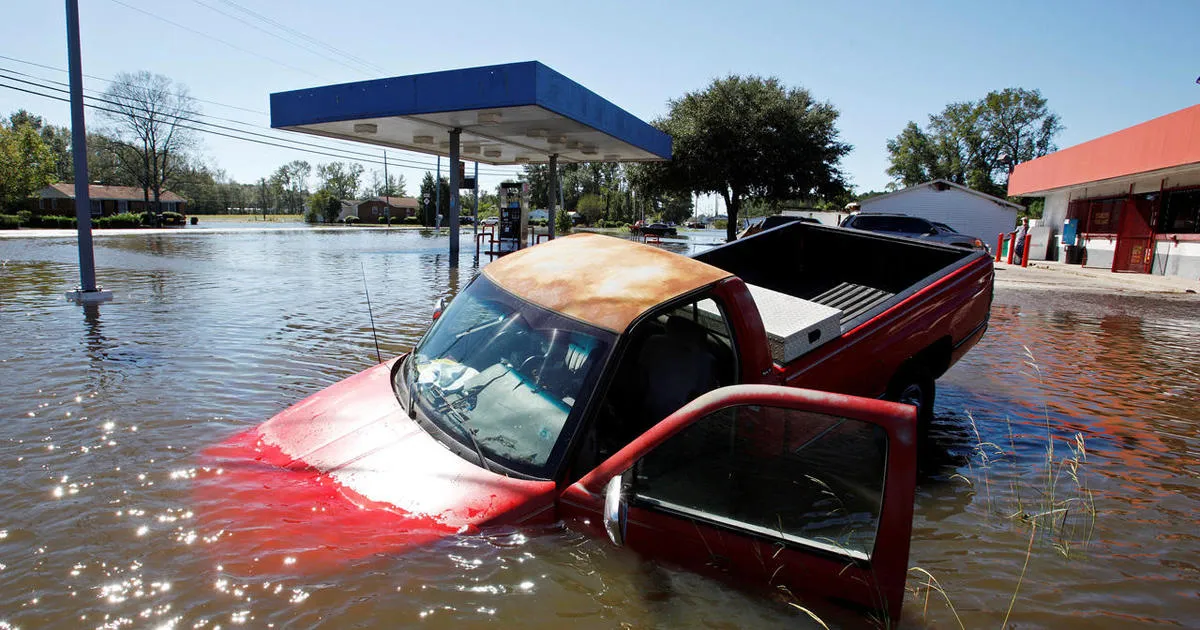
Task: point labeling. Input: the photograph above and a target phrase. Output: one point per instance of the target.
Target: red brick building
(371, 210)
(59, 199)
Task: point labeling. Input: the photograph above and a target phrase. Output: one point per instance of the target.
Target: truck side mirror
(438, 307)
(616, 511)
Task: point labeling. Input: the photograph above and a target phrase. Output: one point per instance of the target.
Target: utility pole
(88, 291)
(387, 192)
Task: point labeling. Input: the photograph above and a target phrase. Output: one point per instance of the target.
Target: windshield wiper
(460, 422)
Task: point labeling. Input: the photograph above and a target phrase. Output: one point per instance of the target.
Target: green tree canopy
(26, 164)
(427, 212)
(340, 178)
(325, 205)
(976, 143)
(749, 138)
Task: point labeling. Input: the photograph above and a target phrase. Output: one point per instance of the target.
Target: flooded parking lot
(1067, 474)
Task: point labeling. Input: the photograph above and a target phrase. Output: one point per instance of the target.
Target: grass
(249, 218)
(1063, 509)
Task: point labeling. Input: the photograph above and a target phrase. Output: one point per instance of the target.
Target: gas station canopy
(513, 113)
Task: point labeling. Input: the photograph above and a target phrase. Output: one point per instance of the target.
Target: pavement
(1054, 274)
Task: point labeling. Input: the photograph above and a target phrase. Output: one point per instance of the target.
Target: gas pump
(514, 218)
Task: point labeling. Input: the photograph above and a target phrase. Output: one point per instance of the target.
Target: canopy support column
(455, 182)
(552, 194)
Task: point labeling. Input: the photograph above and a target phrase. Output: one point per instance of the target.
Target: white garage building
(968, 211)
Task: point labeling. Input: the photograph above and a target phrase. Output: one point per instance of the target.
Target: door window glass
(805, 478)
(671, 358)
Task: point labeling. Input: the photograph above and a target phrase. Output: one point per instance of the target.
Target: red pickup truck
(668, 401)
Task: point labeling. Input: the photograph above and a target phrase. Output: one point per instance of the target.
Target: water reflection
(102, 414)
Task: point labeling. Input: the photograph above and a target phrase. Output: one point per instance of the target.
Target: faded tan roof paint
(604, 281)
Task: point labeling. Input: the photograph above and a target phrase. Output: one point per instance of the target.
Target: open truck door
(773, 487)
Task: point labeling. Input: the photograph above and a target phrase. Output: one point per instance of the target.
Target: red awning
(1164, 142)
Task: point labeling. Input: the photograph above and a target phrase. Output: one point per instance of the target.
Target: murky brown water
(103, 409)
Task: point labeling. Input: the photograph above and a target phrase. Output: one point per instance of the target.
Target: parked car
(912, 227)
(754, 226)
(731, 413)
(656, 229)
(490, 221)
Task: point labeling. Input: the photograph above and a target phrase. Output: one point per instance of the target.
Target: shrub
(351, 219)
(383, 220)
(173, 218)
(123, 220)
(57, 222)
(410, 221)
(9, 222)
(24, 216)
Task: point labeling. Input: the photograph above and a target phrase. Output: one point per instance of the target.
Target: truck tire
(914, 386)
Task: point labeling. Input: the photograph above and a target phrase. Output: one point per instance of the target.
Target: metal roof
(1165, 142)
(509, 114)
(935, 183)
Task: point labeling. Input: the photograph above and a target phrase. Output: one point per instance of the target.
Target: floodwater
(104, 409)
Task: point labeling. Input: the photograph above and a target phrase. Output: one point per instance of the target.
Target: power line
(293, 31)
(92, 76)
(216, 39)
(279, 37)
(280, 137)
(368, 159)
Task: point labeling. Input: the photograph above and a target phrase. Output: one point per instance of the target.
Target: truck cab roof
(575, 276)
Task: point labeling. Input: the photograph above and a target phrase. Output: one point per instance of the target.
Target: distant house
(968, 211)
(371, 210)
(59, 199)
(349, 209)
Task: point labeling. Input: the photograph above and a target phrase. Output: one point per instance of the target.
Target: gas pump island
(509, 114)
(514, 218)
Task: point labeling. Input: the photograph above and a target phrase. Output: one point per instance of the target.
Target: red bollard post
(1012, 247)
(1025, 251)
(999, 245)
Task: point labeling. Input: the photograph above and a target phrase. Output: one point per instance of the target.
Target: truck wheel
(914, 386)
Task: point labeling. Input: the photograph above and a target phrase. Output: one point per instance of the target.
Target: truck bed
(860, 273)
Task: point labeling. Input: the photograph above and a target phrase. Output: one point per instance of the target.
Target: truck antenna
(370, 314)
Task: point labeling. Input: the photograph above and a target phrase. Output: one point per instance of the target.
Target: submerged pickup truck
(739, 412)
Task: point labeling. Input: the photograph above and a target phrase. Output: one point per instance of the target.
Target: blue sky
(1103, 65)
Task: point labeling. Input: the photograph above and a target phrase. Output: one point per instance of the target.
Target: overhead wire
(216, 39)
(279, 37)
(229, 132)
(301, 35)
(92, 76)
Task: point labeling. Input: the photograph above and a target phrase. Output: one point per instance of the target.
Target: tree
(145, 112)
(976, 143)
(340, 178)
(748, 138)
(324, 204)
(590, 207)
(428, 188)
(57, 139)
(395, 186)
(290, 184)
(26, 163)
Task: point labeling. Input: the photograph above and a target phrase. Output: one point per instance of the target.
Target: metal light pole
(87, 291)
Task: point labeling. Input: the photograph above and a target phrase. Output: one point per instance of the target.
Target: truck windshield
(505, 378)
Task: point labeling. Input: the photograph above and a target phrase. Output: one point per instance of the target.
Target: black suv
(912, 227)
